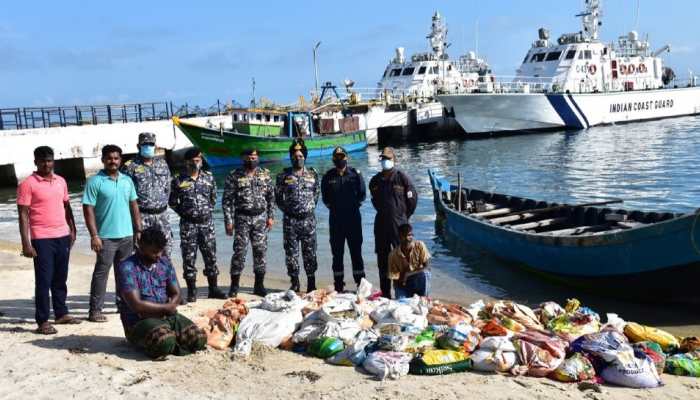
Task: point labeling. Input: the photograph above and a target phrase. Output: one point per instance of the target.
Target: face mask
(194, 166)
(387, 164)
(147, 150)
(298, 163)
(250, 164)
(340, 163)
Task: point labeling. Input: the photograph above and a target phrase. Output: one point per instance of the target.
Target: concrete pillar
(91, 166)
(24, 168)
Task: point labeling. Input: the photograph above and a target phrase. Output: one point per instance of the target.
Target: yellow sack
(437, 357)
(640, 333)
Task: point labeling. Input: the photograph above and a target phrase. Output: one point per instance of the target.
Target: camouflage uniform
(194, 200)
(296, 196)
(153, 188)
(248, 203)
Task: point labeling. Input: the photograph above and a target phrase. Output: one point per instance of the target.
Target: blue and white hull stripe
(568, 110)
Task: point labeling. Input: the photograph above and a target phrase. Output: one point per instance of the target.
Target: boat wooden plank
(540, 224)
(493, 213)
(568, 231)
(511, 218)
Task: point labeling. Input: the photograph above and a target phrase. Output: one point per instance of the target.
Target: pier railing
(62, 116)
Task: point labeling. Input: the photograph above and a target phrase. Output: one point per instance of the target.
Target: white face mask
(387, 164)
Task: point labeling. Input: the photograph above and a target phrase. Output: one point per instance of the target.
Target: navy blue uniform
(343, 195)
(395, 199)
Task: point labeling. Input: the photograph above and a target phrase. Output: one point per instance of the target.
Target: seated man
(148, 286)
(408, 265)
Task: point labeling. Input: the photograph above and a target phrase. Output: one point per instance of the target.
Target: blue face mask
(147, 150)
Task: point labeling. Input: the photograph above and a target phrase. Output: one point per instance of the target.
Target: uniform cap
(339, 150)
(147, 137)
(298, 145)
(388, 152)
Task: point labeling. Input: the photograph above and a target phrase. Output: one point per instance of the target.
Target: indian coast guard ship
(578, 82)
(413, 83)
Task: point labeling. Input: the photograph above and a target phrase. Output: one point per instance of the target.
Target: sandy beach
(95, 361)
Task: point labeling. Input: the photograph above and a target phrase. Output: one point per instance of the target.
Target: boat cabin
(580, 63)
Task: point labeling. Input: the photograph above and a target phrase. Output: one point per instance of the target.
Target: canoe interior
(541, 217)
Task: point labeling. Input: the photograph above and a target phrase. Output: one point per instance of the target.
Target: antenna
(636, 17)
(252, 101)
(476, 39)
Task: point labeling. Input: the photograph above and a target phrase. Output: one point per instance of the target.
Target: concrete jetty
(78, 148)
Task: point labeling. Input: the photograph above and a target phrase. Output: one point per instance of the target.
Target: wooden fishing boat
(645, 255)
(223, 147)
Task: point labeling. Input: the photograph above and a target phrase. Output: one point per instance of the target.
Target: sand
(94, 361)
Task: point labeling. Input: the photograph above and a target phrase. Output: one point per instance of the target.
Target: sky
(94, 52)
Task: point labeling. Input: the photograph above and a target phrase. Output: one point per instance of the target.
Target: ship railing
(510, 84)
(379, 95)
(693, 81)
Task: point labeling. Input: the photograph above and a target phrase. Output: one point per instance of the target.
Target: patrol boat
(578, 82)
(412, 84)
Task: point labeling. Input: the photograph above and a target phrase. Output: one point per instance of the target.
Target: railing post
(109, 114)
(94, 115)
(140, 116)
(218, 107)
(153, 108)
(1, 126)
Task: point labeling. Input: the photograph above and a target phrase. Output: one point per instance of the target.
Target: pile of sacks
(392, 338)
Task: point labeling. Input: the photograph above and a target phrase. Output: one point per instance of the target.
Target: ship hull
(512, 112)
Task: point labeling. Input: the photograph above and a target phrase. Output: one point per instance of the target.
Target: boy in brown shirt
(408, 265)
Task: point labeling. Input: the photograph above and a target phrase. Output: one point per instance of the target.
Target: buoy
(642, 68)
(592, 69)
(623, 69)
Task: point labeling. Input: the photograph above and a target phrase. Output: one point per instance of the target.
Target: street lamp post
(315, 48)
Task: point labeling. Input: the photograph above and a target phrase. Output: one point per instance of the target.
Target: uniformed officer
(296, 192)
(193, 197)
(151, 177)
(343, 191)
(395, 199)
(249, 212)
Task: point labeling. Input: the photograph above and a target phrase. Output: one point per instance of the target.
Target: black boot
(191, 290)
(235, 284)
(214, 291)
(310, 283)
(339, 285)
(295, 283)
(259, 286)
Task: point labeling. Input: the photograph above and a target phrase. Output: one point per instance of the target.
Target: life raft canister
(642, 68)
(592, 69)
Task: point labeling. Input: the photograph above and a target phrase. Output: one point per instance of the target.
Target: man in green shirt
(112, 218)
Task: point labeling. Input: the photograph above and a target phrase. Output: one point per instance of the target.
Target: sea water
(651, 166)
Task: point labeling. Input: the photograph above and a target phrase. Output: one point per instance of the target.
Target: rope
(692, 231)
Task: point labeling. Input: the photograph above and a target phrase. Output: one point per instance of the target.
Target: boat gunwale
(238, 135)
(604, 238)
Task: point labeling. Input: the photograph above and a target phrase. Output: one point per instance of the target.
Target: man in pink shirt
(47, 229)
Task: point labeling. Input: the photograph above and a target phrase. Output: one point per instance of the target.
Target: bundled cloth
(220, 325)
(539, 353)
(495, 354)
(387, 364)
(448, 314)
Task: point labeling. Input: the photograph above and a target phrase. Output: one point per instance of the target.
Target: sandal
(46, 329)
(97, 317)
(67, 320)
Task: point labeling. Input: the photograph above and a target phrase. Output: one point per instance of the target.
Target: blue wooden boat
(643, 255)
